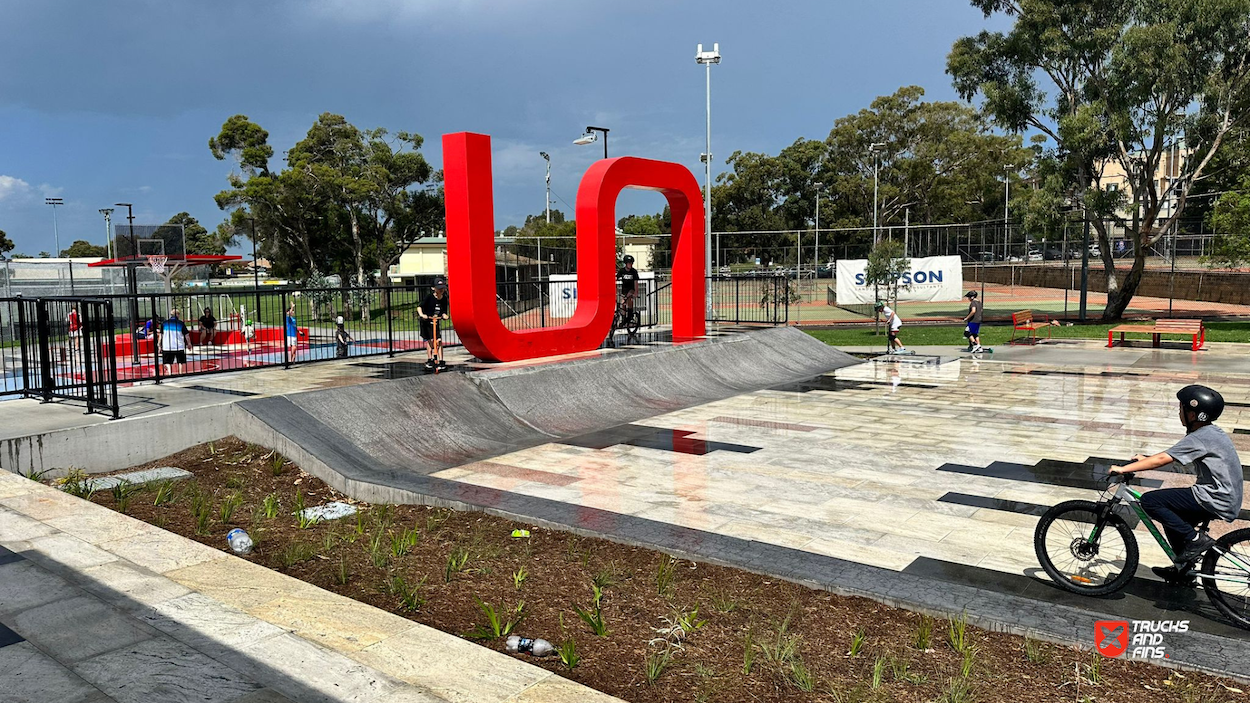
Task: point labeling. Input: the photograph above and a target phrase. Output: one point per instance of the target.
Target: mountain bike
(1089, 548)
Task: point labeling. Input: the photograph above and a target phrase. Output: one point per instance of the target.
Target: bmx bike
(1089, 548)
(625, 319)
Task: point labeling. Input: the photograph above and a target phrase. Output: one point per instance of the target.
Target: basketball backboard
(140, 241)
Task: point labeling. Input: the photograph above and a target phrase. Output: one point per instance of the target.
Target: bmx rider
(1217, 493)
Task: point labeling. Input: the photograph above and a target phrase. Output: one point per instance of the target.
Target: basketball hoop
(157, 263)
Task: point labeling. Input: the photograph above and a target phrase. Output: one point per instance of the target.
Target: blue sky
(104, 102)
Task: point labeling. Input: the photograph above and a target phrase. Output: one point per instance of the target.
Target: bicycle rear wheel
(1229, 560)
(1078, 564)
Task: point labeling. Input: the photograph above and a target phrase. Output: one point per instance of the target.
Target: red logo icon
(471, 252)
(1111, 637)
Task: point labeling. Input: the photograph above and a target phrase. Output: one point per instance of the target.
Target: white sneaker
(977, 348)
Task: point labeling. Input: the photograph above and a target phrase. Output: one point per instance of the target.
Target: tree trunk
(1120, 293)
(359, 254)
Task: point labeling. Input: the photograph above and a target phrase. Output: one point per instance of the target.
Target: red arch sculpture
(471, 252)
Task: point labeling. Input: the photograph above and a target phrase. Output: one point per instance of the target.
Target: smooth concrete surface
(858, 482)
(179, 621)
(429, 423)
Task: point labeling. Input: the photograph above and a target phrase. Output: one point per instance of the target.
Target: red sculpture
(471, 252)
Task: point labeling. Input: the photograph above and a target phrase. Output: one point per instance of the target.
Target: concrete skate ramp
(425, 424)
(585, 395)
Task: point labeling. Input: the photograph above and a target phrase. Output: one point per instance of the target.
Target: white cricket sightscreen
(931, 279)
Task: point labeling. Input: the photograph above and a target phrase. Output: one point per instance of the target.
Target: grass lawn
(991, 335)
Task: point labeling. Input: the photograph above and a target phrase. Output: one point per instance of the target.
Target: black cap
(440, 283)
(970, 294)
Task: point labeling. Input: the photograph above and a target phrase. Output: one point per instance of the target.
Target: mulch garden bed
(672, 630)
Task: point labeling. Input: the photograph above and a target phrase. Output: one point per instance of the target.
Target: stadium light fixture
(589, 138)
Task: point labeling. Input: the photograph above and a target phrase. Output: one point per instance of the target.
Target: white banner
(933, 279)
(562, 292)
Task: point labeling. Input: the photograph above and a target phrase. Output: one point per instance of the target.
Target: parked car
(1035, 255)
(1094, 250)
(1053, 254)
(989, 256)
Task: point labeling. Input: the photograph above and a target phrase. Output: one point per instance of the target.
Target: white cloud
(50, 191)
(12, 188)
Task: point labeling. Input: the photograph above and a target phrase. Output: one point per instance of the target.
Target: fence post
(22, 336)
(112, 359)
(86, 341)
(157, 340)
(45, 350)
(286, 345)
(390, 325)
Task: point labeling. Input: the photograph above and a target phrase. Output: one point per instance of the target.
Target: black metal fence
(751, 299)
(83, 348)
(61, 348)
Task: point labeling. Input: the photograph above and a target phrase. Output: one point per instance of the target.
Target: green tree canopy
(1121, 82)
(1230, 217)
(6, 244)
(82, 249)
(347, 202)
(936, 162)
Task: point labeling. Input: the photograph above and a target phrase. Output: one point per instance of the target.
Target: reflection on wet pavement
(936, 469)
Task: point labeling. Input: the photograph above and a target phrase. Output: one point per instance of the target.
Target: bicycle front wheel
(1226, 576)
(1083, 553)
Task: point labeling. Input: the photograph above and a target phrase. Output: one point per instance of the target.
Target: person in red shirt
(75, 329)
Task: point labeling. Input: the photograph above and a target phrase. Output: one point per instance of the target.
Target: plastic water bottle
(539, 648)
(240, 542)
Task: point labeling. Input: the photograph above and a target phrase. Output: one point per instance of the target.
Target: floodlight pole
(56, 236)
(547, 158)
(108, 231)
(255, 271)
(876, 166)
(132, 280)
(707, 58)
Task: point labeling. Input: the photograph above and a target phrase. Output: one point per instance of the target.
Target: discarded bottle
(539, 648)
(240, 542)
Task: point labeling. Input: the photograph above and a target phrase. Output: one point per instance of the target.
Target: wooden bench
(1024, 321)
(1186, 328)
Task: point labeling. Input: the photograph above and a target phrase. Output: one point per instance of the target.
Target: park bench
(1024, 321)
(1157, 328)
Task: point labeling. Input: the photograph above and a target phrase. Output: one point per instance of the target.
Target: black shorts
(427, 330)
(892, 335)
(174, 357)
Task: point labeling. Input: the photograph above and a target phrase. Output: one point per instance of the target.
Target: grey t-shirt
(1215, 460)
(974, 307)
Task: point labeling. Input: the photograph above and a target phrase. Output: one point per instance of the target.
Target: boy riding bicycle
(1216, 494)
(628, 277)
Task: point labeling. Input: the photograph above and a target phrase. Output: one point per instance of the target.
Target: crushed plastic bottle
(539, 648)
(240, 541)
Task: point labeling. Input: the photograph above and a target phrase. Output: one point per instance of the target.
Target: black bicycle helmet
(628, 259)
(970, 294)
(1206, 402)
